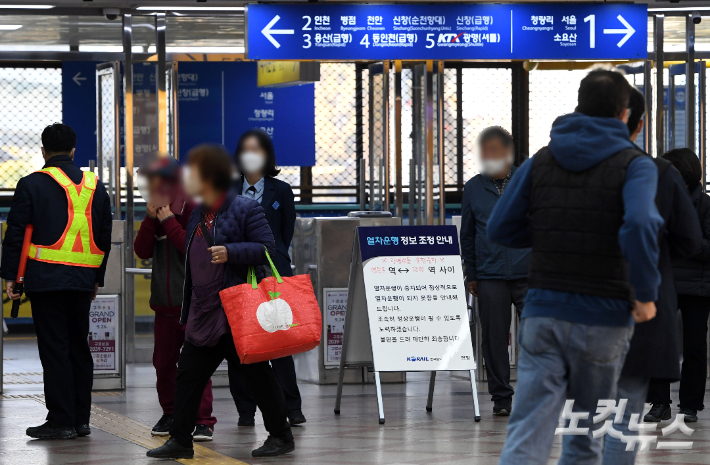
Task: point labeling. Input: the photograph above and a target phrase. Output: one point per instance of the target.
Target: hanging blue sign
(446, 32)
(79, 107)
(218, 101)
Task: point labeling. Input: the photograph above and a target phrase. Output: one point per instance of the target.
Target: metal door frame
(114, 181)
(690, 109)
(380, 189)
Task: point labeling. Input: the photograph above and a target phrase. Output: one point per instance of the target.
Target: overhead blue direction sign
(565, 31)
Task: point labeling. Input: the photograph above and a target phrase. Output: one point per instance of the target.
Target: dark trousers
(169, 337)
(695, 311)
(61, 320)
(285, 372)
(196, 366)
(495, 296)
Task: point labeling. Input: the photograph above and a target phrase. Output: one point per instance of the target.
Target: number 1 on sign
(590, 19)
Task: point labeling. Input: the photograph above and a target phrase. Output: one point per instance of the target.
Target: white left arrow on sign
(629, 31)
(268, 32)
(77, 78)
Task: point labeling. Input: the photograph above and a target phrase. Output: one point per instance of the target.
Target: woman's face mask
(192, 183)
(252, 162)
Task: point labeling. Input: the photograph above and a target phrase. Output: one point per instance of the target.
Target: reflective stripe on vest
(76, 247)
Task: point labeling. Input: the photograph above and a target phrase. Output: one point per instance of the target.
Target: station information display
(563, 31)
(416, 302)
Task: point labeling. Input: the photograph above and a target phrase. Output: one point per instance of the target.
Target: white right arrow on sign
(268, 32)
(629, 31)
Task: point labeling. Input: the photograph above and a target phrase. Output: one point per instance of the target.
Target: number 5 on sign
(590, 19)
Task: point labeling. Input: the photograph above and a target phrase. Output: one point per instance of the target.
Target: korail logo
(417, 359)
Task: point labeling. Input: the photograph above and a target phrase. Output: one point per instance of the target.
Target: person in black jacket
(62, 278)
(692, 282)
(654, 347)
(255, 158)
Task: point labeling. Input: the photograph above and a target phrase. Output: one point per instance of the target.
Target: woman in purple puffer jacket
(226, 233)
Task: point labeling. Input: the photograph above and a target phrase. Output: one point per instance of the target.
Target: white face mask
(192, 184)
(495, 166)
(252, 162)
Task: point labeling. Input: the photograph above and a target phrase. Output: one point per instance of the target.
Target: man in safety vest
(70, 211)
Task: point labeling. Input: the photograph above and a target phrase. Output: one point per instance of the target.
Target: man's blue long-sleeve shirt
(638, 236)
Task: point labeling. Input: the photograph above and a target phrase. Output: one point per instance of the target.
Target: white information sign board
(406, 307)
(103, 328)
(418, 315)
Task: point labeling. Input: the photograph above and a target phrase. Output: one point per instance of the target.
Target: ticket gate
(107, 324)
(106, 321)
(322, 248)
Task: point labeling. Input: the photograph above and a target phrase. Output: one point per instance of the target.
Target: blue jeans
(561, 360)
(634, 389)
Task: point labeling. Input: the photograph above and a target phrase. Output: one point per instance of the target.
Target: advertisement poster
(103, 321)
(336, 301)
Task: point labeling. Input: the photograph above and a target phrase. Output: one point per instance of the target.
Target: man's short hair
(213, 163)
(603, 93)
(496, 133)
(58, 138)
(637, 105)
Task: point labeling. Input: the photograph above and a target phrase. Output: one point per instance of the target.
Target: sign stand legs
(380, 406)
(476, 411)
(430, 398)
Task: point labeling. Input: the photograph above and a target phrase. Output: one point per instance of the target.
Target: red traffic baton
(20, 280)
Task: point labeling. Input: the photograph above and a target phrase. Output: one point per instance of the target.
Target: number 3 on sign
(590, 19)
(307, 41)
(365, 41)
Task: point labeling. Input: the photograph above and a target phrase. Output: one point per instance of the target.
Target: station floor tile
(410, 436)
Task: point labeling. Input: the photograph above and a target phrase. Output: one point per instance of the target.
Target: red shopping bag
(278, 317)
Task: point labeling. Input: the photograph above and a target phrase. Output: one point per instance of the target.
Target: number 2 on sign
(590, 19)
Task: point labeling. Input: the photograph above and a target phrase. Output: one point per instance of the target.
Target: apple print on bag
(275, 315)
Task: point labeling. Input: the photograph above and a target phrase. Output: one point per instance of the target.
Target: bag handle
(251, 273)
(274, 271)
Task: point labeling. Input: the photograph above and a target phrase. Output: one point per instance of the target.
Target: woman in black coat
(255, 158)
(692, 282)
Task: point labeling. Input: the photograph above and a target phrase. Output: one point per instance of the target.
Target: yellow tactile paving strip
(138, 433)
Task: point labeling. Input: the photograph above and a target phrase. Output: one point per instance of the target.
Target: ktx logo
(449, 37)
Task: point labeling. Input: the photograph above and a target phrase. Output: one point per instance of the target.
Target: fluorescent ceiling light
(28, 7)
(192, 8)
(670, 10)
(204, 49)
(10, 27)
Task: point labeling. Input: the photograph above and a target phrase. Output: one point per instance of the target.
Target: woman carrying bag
(255, 158)
(226, 235)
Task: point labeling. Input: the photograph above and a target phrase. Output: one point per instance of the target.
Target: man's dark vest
(575, 219)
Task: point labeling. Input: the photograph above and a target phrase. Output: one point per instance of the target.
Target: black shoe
(171, 450)
(658, 412)
(82, 430)
(503, 407)
(273, 447)
(202, 433)
(691, 416)
(51, 430)
(296, 418)
(162, 428)
(246, 421)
